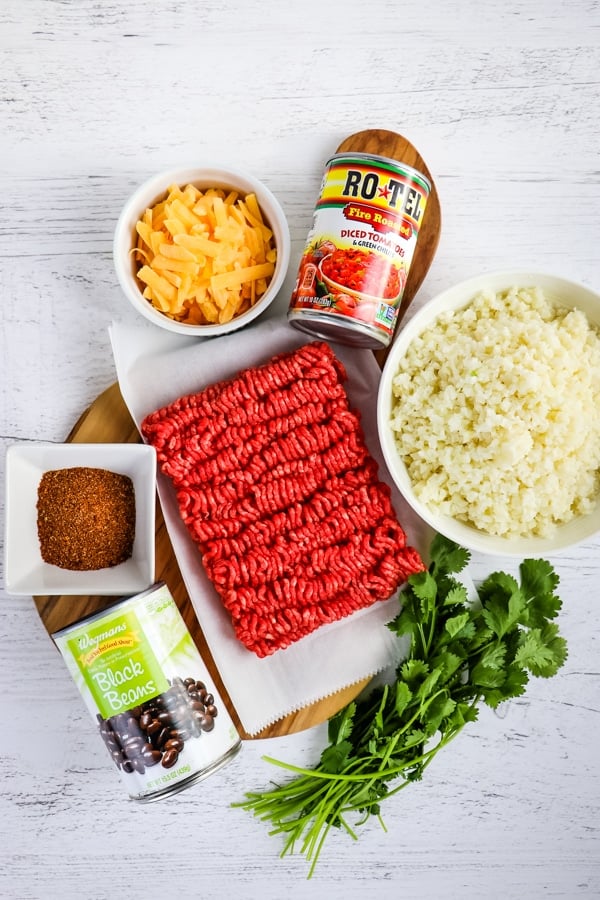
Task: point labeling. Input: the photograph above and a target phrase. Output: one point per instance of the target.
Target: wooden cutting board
(108, 421)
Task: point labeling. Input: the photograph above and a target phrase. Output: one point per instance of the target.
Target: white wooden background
(502, 100)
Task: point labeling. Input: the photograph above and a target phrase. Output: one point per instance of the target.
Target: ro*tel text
(369, 185)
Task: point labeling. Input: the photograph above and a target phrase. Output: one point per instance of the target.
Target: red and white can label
(356, 261)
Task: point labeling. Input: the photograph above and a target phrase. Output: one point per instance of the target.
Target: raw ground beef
(278, 489)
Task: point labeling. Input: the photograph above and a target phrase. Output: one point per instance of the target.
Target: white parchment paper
(155, 368)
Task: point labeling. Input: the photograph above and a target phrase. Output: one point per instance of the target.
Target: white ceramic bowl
(25, 570)
(154, 190)
(565, 292)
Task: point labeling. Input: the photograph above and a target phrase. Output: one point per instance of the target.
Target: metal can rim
(91, 617)
(373, 157)
(179, 786)
(297, 318)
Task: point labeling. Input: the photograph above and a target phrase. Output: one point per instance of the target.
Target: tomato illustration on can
(355, 264)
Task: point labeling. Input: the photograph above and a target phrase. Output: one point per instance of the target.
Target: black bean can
(143, 680)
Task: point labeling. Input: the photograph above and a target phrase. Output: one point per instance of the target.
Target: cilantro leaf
(340, 725)
(493, 657)
(334, 758)
(414, 671)
(498, 584)
(487, 676)
(414, 737)
(483, 634)
(501, 609)
(439, 709)
(448, 663)
(427, 686)
(541, 608)
(538, 583)
(424, 588)
(542, 651)
(405, 622)
(514, 685)
(538, 578)
(457, 623)
(466, 634)
(457, 595)
(447, 556)
(462, 714)
(403, 697)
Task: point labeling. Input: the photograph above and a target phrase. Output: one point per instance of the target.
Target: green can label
(144, 682)
(117, 663)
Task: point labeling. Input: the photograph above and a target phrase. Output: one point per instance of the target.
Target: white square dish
(26, 572)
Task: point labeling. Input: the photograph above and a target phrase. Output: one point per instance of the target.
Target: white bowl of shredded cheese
(489, 413)
(201, 251)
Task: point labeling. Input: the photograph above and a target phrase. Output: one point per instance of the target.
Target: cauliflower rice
(496, 414)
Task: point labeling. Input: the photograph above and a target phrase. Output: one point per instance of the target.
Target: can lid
(110, 606)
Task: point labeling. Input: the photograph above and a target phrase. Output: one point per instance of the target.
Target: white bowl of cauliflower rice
(489, 413)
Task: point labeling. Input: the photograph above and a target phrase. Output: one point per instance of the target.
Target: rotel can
(355, 264)
(144, 682)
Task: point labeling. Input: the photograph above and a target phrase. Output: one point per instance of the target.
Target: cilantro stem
(379, 773)
(460, 656)
(431, 634)
(422, 650)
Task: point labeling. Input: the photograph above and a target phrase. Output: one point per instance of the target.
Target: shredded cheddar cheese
(205, 257)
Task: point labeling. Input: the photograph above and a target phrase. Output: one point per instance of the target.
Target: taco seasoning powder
(146, 686)
(85, 518)
(356, 261)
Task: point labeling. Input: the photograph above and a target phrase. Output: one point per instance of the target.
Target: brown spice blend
(85, 518)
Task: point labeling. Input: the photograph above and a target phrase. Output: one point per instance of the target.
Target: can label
(356, 261)
(144, 681)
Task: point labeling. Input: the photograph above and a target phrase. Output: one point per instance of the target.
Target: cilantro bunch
(461, 654)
